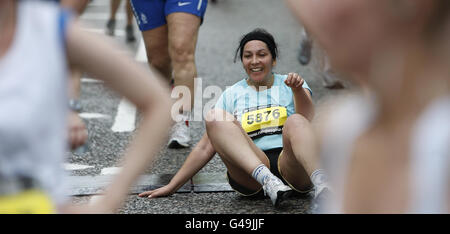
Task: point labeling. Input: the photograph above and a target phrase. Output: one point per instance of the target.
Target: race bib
(264, 120)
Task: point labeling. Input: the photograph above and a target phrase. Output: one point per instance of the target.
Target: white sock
(260, 173)
(319, 179)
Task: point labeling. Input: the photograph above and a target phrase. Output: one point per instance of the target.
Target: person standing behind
(170, 29)
(329, 79)
(111, 24)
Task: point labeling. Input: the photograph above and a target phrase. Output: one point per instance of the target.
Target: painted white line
(117, 32)
(94, 116)
(89, 80)
(125, 117)
(141, 55)
(101, 16)
(74, 167)
(98, 3)
(110, 171)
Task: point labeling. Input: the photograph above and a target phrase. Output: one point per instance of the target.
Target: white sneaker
(321, 197)
(179, 136)
(276, 190)
(320, 190)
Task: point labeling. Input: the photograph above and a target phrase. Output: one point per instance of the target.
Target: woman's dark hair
(261, 35)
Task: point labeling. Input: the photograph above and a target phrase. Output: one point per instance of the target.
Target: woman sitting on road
(261, 129)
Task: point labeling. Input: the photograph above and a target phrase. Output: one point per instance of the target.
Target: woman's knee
(296, 123)
(217, 116)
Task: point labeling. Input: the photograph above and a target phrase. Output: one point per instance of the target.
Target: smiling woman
(258, 63)
(258, 52)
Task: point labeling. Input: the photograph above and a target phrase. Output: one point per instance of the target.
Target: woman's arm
(302, 97)
(99, 57)
(202, 153)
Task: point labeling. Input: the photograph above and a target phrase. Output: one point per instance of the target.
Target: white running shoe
(321, 196)
(276, 190)
(179, 136)
(318, 190)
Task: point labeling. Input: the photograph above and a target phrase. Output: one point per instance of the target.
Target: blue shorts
(151, 14)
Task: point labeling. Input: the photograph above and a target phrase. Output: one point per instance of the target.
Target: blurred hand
(98, 207)
(160, 192)
(78, 134)
(295, 81)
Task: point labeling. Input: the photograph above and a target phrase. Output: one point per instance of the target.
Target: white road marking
(110, 171)
(117, 32)
(74, 167)
(141, 55)
(89, 80)
(125, 117)
(93, 116)
(98, 3)
(102, 16)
